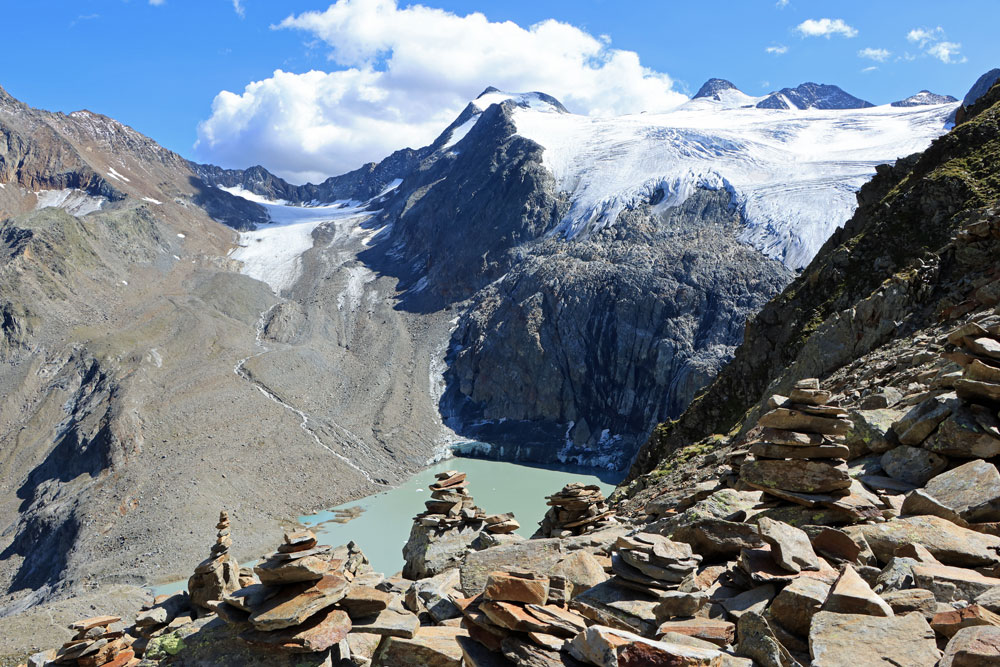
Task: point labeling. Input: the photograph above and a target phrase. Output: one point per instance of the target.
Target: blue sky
(385, 76)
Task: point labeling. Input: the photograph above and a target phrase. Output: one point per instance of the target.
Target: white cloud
(880, 55)
(239, 9)
(947, 52)
(922, 36)
(932, 41)
(777, 49)
(869, 69)
(403, 75)
(825, 28)
(781, 4)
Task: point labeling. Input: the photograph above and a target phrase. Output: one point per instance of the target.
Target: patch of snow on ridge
(793, 173)
(273, 253)
(75, 202)
(114, 174)
(459, 132)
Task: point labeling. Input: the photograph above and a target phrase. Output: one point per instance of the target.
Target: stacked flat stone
(451, 505)
(801, 456)
(98, 641)
(217, 575)
(652, 563)
(306, 598)
(979, 356)
(575, 510)
(162, 616)
(515, 615)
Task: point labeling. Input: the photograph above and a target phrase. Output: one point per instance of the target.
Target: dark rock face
(981, 87)
(713, 87)
(812, 96)
(590, 343)
(922, 98)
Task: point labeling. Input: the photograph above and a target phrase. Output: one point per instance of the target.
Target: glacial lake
(381, 523)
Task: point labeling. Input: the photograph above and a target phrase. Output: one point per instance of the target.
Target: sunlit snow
(273, 252)
(75, 202)
(794, 173)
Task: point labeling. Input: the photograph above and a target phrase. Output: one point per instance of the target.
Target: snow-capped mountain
(923, 98)
(812, 96)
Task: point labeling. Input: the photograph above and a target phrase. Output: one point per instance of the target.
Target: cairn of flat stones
(218, 574)
(800, 455)
(452, 506)
(978, 353)
(652, 563)
(98, 641)
(307, 596)
(575, 510)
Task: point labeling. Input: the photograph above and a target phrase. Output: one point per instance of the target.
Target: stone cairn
(575, 510)
(166, 613)
(218, 574)
(652, 563)
(452, 506)
(800, 456)
(978, 353)
(307, 596)
(98, 641)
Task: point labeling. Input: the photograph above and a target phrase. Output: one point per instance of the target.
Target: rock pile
(306, 597)
(575, 510)
(978, 353)
(800, 454)
(515, 616)
(166, 613)
(445, 531)
(218, 574)
(652, 563)
(99, 641)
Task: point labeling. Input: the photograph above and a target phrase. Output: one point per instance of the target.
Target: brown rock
(96, 621)
(525, 587)
(797, 420)
(837, 544)
(952, 583)
(949, 543)
(362, 601)
(712, 630)
(603, 646)
(429, 647)
(977, 646)
(388, 623)
(850, 594)
(319, 633)
(796, 475)
(798, 602)
(779, 436)
(766, 450)
(911, 599)
(949, 622)
(294, 604)
(857, 640)
(310, 568)
(790, 546)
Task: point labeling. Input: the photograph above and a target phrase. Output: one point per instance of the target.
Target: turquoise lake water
(382, 522)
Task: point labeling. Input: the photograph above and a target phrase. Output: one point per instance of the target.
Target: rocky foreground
(829, 537)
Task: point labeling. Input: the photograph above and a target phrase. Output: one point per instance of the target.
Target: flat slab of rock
(389, 623)
(319, 633)
(607, 647)
(294, 604)
(362, 601)
(718, 538)
(713, 630)
(767, 450)
(973, 647)
(798, 602)
(969, 432)
(911, 599)
(854, 640)
(517, 587)
(968, 485)
(800, 420)
(790, 546)
(950, 544)
(851, 594)
(310, 568)
(947, 623)
(434, 646)
(913, 465)
(614, 605)
(796, 475)
(952, 583)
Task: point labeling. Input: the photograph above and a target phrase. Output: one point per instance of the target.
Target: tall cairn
(219, 574)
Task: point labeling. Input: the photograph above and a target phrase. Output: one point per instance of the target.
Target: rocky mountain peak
(981, 86)
(924, 97)
(713, 87)
(811, 95)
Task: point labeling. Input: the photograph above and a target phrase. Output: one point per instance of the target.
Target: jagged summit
(924, 98)
(811, 95)
(713, 87)
(981, 86)
(535, 100)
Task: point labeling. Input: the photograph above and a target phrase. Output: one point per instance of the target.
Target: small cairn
(800, 456)
(162, 616)
(516, 615)
(217, 575)
(577, 509)
(450, 505)
(306, 598)
(98, 641)
(652, 563)
(978, 353)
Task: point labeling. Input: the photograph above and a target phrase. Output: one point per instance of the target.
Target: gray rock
(912, 464)
(431, 550)
(850, 594)
(917, 424)
(966, 486)
(969, 432)
(717, 538)
(796, 475)
(798, 602)
(756, 640)
(911, 599)
(790, 546)
(977, 646)
(950, 544)
(433, 595)
(754, 600)
(856, 640)
(870, 431)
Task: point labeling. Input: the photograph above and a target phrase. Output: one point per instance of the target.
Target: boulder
(911, 599)
(969, 432)
(950, 544)
(850, 594)
(990, 599)
(952, 583)
(871, 431)
(604, 647)
(540, 555)
(917, 424)
(293, 604)
(799, 420)
(919, 502)
(790, 546)
(617, 606)
(431, 550)
(719, 632)
(758, 642)
(767, 450)
(679, 603)
(320, 632)
(434, 595)
(716, 538)
(754, 600)
(429, 647)
(796, 475)
(913, 465)
(947, 623)
(966, 486)
(798, 602)
(977, 646)
(974, 390)
(856, 640)
(525, 587)
(581, 570)
(363, 601)
(388, 623)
